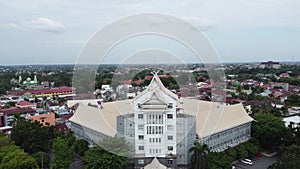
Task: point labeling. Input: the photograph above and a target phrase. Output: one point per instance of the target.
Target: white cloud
(41, 24)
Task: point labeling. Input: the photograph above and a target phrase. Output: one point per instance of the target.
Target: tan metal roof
(156, 82)
(211, 117)
(102, 120)
(155, 164)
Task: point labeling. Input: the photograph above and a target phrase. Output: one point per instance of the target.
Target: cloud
(203, 24)
(41, 24)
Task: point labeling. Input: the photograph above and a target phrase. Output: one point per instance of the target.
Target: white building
(294, 121)
(161, 126)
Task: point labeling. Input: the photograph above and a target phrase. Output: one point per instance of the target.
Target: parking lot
(258, 163)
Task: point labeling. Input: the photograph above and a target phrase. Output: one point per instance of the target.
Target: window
(170, 148)
(170, 116)
(140, 127)
(170, 127)
(140, 161)
(170, 105)
(170, 162)
(170, 137)
(141, 137)
(141, 147)
(140, 116)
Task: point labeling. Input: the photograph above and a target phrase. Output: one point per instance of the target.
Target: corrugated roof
(103, 120)
(211, 117)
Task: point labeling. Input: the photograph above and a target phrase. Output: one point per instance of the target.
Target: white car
(247, 161)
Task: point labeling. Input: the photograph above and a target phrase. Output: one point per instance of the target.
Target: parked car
(247, 161)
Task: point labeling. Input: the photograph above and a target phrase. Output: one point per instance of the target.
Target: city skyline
(54, 32)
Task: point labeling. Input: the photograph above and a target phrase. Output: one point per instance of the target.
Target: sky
(55, 31)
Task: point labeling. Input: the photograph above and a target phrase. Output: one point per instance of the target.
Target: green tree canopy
(32, 136)
(268, 130)
(289, 159)
(80, 146)
(98, 158)
(200, 159)
(12, 157)
(63, 155)
(42, 158)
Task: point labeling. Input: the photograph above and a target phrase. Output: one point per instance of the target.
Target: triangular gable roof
(157, 84)
(155, 99)
(155, 164)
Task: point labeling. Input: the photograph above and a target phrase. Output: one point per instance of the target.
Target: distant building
(7, 114)
(293, 121)
(45, 119)
(52, 92)
(286, 75)
(25, 104)
(162, 127)
(28, 82)
(270, 65)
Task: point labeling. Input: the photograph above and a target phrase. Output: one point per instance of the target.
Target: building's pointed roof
(155, 85)
(155, 164)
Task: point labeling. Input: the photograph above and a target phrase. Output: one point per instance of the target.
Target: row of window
(169, 127)
(170, 148)
(153, 151)
(154, 119)
(155, 130)
(155, 140)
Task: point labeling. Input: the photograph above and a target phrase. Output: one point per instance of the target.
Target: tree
(11, 157)
(268, 130)
(80, 146)
(231, 152)
(32, 136)
(293, 100)
(289, 159)
(63, 155)
(241, 151)
(42, 158)
(219, 160)
(199, 158)
(18, 160)
(98, 158)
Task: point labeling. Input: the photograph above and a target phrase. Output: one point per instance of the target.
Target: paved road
(258, 163)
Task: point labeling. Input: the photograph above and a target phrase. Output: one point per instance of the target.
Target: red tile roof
(42, 91)
(24, 103)
(14, 110)
(61, 127)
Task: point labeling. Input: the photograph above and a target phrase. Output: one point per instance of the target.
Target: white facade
(155, 115)
(159, 125)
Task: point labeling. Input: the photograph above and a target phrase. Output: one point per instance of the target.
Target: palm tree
(199, 158)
